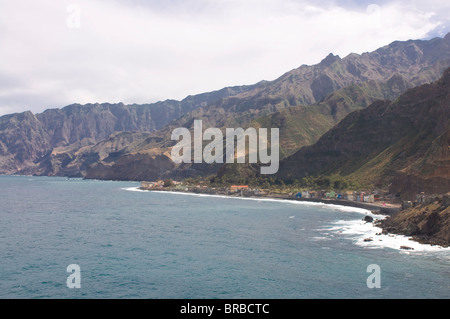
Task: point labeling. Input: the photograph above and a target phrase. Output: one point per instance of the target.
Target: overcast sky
(55, 53)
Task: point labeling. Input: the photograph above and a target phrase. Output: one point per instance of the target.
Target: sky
(55, 53)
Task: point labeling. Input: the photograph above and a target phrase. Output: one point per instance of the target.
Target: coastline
(367, 234)
(379, 209)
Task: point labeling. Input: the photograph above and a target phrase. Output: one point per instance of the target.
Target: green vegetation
(277, 185)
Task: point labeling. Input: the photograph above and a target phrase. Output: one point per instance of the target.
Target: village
(378, 199)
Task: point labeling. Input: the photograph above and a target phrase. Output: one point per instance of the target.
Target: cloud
(133, 51)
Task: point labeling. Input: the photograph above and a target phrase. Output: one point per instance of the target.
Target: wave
(370, 236)
(133, 189)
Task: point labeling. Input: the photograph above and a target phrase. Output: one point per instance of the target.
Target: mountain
(304, 103)
(299, 126)
(44, 143)
(335, 86)
(403, 144)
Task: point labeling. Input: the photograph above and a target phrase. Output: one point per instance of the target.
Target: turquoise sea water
(136, 244)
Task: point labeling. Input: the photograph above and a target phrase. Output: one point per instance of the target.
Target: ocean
(130, 243)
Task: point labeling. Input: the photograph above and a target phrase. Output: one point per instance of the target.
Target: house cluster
(368, 197)
(246, 191)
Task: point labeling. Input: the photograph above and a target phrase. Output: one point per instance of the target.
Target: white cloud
(144, 51)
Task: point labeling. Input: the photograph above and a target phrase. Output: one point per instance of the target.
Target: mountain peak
(330, 59)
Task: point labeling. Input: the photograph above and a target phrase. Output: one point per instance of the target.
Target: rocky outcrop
(427, 223)
(137, 167)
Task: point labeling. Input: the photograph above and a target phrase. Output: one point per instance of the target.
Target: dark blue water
(131, 244)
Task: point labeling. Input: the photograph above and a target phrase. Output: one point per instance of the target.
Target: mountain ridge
(57, 141)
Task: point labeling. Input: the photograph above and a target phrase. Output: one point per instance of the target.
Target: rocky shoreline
(426, 223)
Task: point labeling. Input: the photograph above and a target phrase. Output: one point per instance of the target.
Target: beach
(382, 208)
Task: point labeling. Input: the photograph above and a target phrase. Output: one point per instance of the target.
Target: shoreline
(366, 234)
(387, 210)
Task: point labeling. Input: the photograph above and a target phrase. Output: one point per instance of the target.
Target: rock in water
(368, 219)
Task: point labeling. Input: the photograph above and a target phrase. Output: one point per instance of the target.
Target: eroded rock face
(426, 223)
(46, 143)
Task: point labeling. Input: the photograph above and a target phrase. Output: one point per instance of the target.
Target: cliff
(45, 143)
(428, 223)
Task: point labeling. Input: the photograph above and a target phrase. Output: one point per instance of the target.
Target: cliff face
(388, 142)
(23, 140)
(45, 143)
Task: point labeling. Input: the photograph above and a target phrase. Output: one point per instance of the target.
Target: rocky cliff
(44, 143)
(428, 223)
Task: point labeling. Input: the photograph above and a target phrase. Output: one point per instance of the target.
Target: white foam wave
(370, 236)
(133, 189)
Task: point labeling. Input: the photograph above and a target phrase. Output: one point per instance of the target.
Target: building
(359, 196)
(331, 194)
(368, 198)
(236, 188)
(349, 196)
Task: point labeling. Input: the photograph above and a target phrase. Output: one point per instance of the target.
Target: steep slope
(23, 140)
(404, 143)
(30, 141)
(299, 126)
(303, 125)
